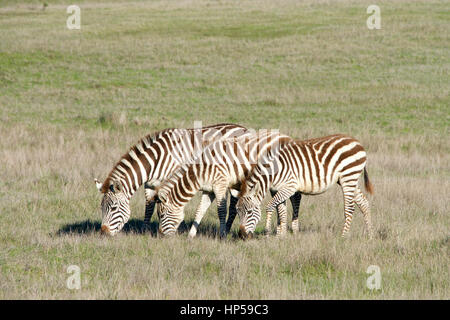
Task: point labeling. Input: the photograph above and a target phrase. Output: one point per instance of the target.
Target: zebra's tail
(367, 184)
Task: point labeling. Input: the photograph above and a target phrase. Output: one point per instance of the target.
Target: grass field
(73, 101)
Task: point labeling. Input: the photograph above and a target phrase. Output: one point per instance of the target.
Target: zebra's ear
(98, 184)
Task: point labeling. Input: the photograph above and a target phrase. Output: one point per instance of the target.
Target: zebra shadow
(136, 226)
(86, 227)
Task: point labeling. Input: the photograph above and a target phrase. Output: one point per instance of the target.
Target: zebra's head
(170, 215)
(249, 210)
(115, 207)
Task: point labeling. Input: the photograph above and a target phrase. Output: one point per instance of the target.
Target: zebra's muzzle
(244, 235)
(105, 230)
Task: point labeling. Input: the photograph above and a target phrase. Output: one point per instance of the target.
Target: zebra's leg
(205, 202)
(363, 205)
(282, 219)
(348, 188)
(232, 210)
(268, 228)
(149, 206)
(295, 201)
(280, 197)
(221, 196)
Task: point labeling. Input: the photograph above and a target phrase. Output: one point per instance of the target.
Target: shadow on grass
(212, 230)
(90, 227)
(137, 226)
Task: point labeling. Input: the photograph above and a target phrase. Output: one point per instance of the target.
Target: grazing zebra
(309, 167)
(221, 167)
(149, 162)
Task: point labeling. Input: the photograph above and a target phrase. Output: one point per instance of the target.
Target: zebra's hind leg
(295, 201)
(205, 202)
(348, 189)
(363, 205)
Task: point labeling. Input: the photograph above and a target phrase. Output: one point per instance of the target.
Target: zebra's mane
(148, 139)
(244, 182)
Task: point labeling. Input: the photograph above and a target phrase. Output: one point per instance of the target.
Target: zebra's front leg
(282, 219)
(221, 196)
(149, 206)
(268, 227)
(280, 199)
(295, 201)
(232, 209)
(205, 202)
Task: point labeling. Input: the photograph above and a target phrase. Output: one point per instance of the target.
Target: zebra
(221, 167)
(149, 162)
(309, 167)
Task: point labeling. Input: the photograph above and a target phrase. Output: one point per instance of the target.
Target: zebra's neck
(146, 160)
(182, 185)
(261, 182)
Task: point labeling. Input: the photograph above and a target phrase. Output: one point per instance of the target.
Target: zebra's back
(321, 162)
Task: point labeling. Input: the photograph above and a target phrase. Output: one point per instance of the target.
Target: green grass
(73, 101)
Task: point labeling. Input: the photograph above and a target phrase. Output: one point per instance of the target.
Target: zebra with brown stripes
(310, 167)
(149, 162)
(221, 166)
